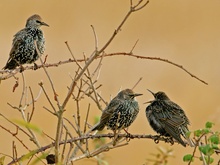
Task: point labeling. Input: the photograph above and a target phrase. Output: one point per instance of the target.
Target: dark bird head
(127, 94)
(159, 95)
(35, 21)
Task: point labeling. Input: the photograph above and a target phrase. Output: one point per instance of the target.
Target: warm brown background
(186, 32)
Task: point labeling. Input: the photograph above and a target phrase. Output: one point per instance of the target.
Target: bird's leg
(21, 68)
(35, 66)
(170, 140)
(45, 59)
(157, 138)
(115, 130)
(128, 137)
(128, 134)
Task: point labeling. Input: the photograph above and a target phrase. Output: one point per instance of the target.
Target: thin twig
(72, 55)
(64, 146)
(37, 97)
(137, 83)
(96, 38)
(48, 98)
(71, 124)
(14, 150)
(17, 127)
(94, 91)
(78, 121)
(134, 46)
(33, 106)
(87, 115)
(34, 137)
(23, 90)
(15, 135)
(48, 76)
(50, 111)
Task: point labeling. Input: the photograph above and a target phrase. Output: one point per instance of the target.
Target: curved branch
(158, 59)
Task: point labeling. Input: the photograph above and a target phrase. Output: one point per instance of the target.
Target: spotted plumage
(23, 47)
(167, 118)
(120, 112)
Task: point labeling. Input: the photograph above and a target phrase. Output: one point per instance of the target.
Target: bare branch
(48, 76)
(23, 90)
(121, 54)
(15, 135)
(33, 106)
(96, 38)
(98, 136)
(137, 83)
(131, 52)
(72, 54)
(158, 59)
(48, 98)
(87, 115)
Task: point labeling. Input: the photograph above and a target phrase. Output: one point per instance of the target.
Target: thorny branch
(92, 57)
(86, 85)
(107, 55)
(98, 136)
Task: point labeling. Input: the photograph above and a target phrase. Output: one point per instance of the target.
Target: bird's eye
(38, 21)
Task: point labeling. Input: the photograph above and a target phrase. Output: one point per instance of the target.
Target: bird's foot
(21, 68)
(128, 136)
(35, 66)
(169, 140)
(157, 139)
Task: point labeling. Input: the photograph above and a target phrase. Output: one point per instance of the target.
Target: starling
(23, 47)
(120, 112)
(167, 118)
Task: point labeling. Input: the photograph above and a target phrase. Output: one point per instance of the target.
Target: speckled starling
(120, 112)
(167, 118)
(23, 47)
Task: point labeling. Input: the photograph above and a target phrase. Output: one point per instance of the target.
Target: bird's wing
(172, 114)
(17, 41)
(172, 119)
(15, 47)
(109, 110)
(180, 111)
(12, 60)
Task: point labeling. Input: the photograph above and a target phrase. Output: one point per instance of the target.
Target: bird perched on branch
(120, 112)
(24, 43)
(167, 118)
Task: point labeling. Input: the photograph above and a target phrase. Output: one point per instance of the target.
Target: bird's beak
(137, 94)
(148, 102)
(44, 24)
(151, 92)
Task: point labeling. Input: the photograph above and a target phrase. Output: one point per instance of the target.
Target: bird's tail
(190, 141)
(98, 127)
(11, 64)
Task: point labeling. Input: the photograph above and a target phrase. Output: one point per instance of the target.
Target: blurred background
(185, 32)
